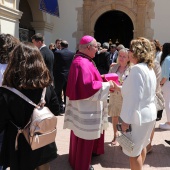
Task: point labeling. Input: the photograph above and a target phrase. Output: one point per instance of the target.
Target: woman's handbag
(125, 142)
(41, 129)
(159, 102)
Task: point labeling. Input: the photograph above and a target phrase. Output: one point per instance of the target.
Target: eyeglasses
(95, 46)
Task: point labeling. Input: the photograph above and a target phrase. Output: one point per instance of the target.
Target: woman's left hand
(125, 126)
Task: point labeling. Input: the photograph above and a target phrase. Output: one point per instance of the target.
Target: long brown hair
(7, 44)
(157, 45)
(26, 68)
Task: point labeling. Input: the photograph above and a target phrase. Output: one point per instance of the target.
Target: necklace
(123, 74)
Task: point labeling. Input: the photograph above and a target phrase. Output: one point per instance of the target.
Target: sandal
(114, 142)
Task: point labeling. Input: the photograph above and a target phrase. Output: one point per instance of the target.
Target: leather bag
(125, 142)
(41, 129)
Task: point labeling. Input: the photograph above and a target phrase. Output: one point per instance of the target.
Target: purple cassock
(84, 81)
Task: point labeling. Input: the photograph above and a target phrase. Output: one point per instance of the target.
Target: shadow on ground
(115, 158)
(159, 157)
(111, 158)
(60, 163)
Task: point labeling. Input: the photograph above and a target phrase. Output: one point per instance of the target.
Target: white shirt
(113, 56)
(158, 56)
(2, 70)
(42, 46)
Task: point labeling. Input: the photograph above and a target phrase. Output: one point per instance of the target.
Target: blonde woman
(138, 108)
(121, 68)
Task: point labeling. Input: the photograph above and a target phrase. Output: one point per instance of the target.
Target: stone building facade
(78, 17)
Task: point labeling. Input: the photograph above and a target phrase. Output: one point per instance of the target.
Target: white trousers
(166, 95)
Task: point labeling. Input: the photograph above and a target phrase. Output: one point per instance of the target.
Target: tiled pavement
(114, 159)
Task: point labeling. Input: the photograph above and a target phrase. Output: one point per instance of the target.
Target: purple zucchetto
(86, 39)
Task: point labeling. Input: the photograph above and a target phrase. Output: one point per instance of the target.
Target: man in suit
(38, 40)
(102, 59)
(62, 62)
(58, 44)
(113, 53)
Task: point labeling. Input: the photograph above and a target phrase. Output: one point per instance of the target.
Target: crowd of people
(76, 87)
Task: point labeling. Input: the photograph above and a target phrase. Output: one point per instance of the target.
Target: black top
(102, 62)
(62, 62)
(19, 111)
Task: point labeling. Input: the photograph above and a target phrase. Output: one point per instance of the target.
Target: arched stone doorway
(34, 20)
(114, 26)
(139, 11)
(25, 28)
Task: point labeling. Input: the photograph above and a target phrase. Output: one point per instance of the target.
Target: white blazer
(138, 93)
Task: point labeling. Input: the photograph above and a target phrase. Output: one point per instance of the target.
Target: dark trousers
(1, 139)
(60, 86)
(159, 115)
(59, 94)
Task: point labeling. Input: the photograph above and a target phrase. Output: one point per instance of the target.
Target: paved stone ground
(114, 159)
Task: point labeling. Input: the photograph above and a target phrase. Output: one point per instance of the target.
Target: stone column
(86, 17)
(41, 26)
(9, 18)
(45, 29)
(141, 17)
